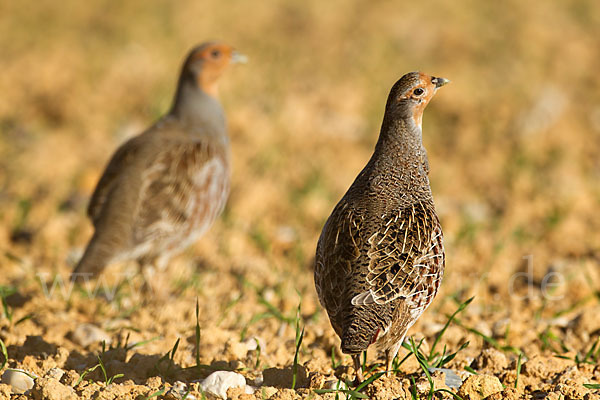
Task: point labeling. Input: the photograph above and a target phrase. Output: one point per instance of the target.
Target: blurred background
(513, 143)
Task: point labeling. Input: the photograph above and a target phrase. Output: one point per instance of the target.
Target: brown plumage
(380, 257)
(163, 188)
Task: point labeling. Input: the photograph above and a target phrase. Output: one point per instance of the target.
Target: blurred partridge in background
(380, 256)
(164, 188)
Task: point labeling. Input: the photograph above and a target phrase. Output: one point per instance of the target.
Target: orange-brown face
(208, 62)
(419, 92)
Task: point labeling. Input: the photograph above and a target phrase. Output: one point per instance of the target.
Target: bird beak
(238, 58)
(439, 82)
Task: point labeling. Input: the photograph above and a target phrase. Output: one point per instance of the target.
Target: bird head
(411, 94)
(206, 63)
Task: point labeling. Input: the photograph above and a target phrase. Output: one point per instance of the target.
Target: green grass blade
(103, 370)
(368, 381)
(592, 385)
(298, 341)
(275, 311)
(141, 343)
(174, 349)
(156, 394)
(4, 353)
(591, 351)
(295, 366)
(334, 363)
(197, 333)
(83, 375)
(493, 342)
(446, 359)
(454, 395)
(351, 393)
(518, 369)
(448, 322)
(471, 370)
(258, 353)
(112, 378)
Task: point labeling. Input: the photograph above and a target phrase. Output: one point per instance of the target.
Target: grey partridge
(164, 188)
(380, 256)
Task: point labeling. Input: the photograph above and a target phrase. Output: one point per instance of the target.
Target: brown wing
(337, 252)
(399, 255)
(183, 188)
(119, 162)
(432, 270)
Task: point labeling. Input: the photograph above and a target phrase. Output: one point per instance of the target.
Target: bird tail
(357, 336)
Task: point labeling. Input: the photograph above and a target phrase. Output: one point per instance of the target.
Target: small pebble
(236, 365)
(55, 373)
(561, 322)
(335, 384)
(219, 382)
(253, 342)
(286, 235)
(87, 334)
(179, 390)
(499, 327)
(452, 379)
(18, 380)
(258, 380)
(70, 378)
(269, 295)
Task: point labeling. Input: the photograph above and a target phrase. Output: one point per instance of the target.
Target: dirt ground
(514, 148)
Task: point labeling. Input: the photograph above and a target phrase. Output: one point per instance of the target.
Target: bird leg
(390, 354)
(153, 286)
(357, 369)
(388, 363)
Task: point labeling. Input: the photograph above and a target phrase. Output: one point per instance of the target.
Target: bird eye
(418, 91)
(215, 54)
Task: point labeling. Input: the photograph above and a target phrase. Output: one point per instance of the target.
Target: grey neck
(201, 113)
(400, 148)
(397, 170)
